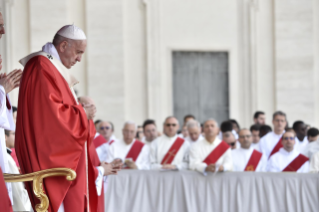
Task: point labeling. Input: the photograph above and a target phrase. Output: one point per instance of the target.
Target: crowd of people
(210, 147)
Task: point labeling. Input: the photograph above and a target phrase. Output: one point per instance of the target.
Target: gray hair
(130, 123)
(211, 119)
(192, 124)
(279, 113)
(171, 117)
(59, 39)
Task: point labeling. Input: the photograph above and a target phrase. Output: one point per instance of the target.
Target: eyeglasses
(168, 125)
(289, 138)
(106, 128)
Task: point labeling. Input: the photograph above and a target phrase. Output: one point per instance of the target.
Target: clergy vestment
(300, 145)
(52, 132)
(136, 151)
(255, 146)
(270, 143)
(203, 153)
(310, 149)
(288, 161)
(314, 163)
(19, 193)
(102, 145)
(169, 150)
(191, 142)
(248, 160)
(5, 203)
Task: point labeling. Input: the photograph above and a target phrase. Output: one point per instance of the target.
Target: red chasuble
(98, 141)
(276, 148)
(96, 162)
(253, 161)
(51, 132)
(5, 203)
(170, 155)
(213, 157)
(135, 150)
(296, 163)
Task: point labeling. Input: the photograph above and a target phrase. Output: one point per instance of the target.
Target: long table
(182, 191)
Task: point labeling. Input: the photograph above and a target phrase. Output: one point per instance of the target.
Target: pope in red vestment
(53, 131)
(5, 203)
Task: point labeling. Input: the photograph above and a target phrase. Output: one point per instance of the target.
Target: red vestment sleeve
(51, 130)
(5, 203)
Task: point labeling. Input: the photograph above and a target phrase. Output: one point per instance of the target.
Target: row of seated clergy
(206, 155)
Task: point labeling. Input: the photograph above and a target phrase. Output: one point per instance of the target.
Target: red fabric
(276, 148)
(8, 103)
(98, 141)
(170, 155)
(5, 203)
(96, 162)
(51, 132)
(14, 156)
(111, 142)
(213, 157)
(135, 150)
(253, 161)
(296, 163)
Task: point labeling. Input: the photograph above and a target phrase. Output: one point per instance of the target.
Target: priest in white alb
(247, 158)
(133, 153)
(194, 132)
(150, 131)
(271, 142)
(300, 129)
(169, 151)
(210, 154)
(288, 158)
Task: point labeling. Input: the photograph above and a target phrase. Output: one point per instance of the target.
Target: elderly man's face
(2, 30)
(129, 132)
(71, 52)
(210, 128)
(194, 133)
(170, 127)
(105, 129)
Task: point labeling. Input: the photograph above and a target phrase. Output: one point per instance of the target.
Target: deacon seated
(271, 142)
(229, 135)
(210, 154)
(150, 131)
(254, 129)
(247, 158)
(301, 135)
(169, 151)
(104, 138)
(194, 132)
(314, 163)
(133, 153)
(19, 193)
(288, 159)
(313, 146)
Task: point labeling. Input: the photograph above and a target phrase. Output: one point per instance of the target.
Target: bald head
(85, 100)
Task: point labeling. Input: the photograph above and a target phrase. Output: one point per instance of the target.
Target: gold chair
(37, 178)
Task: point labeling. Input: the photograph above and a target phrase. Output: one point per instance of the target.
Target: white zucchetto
(72, 32)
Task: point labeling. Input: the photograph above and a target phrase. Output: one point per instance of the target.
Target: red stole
(213, 157)
(170, 155)
(98, 141)
(296, 163)
(276, 148)
(135, 150)
(111, 142)
(5, 203)
(253, 161)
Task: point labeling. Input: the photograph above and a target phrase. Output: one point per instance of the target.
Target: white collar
(285, 152)
(50, 49)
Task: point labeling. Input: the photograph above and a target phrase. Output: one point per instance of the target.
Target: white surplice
(102, 150)
(19, 193)
(120, 149)
(268, 142)
(241, 157)
(160, 147)
(255, 146)
(310, 149)
(281, 159)
(201, 149)
(300, 145)
(191, 142)
(314, 163)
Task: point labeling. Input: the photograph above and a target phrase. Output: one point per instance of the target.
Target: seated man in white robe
(301, 135)
(19, 193)
(194, 132)
(313, 145)
(288, 159)
(169, 151)
(271, 142)
(229, 135)
(133, 153)
(314, 163)
(150, 131)
(247, 158)
(254, 129)
(210, 154)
